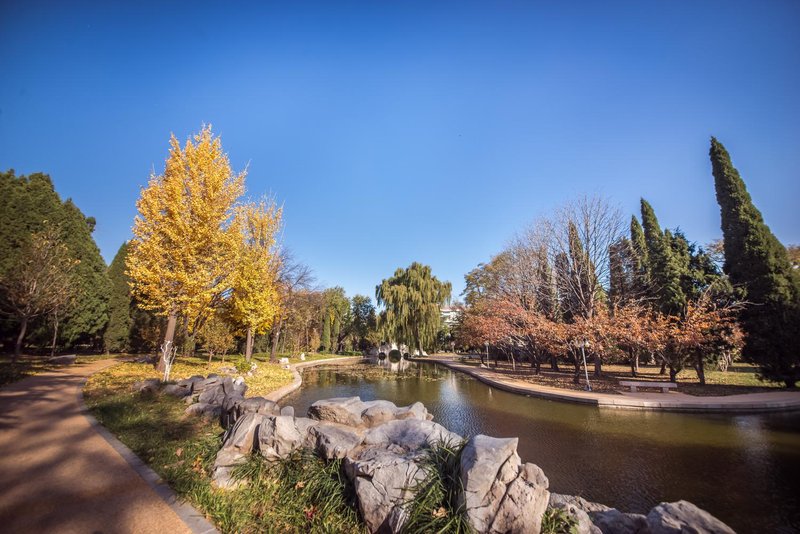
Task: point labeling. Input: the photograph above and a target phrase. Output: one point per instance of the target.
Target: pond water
(744, 469)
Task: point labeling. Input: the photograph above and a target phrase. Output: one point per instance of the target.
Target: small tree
(40, 283)
(256, 301)
(217, 336)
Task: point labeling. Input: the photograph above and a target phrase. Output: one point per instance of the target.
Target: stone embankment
(382, 448)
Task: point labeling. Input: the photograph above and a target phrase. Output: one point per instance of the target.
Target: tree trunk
(673, 374)
(248, 346)
(273, 358)
(55, 334)
(598, 365)
(23, 327)
(554, 363)
(701, 372)
(169, 339)
(634, 362)
(663, 368)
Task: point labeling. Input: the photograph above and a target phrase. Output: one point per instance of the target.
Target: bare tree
(293, 276)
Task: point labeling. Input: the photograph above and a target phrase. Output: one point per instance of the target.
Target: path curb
(624, 402)
(281, 392)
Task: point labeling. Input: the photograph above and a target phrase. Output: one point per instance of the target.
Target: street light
(585, 343)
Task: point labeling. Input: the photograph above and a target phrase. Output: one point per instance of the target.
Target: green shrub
(558, 521)
(435, 507)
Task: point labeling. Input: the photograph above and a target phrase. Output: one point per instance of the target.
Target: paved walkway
(672, 401)
(59, 474)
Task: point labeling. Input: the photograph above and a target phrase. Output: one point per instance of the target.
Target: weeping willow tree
(412, 300)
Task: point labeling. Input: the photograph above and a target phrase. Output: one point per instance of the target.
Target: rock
(378, 412)
(205, 410)
(612, 521)
(206, 383)
(239, 441)
(230, 409)
(415, 411)
(577, 508)
(583, 523)
(258, 405)
(151, 385)
(287, 410)
(333, 441)
(500, 495)
(302, 356)
(67, 359)
(239, 386)
(190, 382)
(558, 501)
(176, 390)
(278, 437)
(410, 434)
(284, 361)
(213, 395)
(683, 517)
(344, 410)
(383, 479)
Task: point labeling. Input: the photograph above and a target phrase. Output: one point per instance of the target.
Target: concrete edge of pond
(778, 401)
(297, 381)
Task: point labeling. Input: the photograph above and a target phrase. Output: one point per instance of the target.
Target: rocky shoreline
(382, 448)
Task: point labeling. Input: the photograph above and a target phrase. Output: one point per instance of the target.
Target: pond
(744, 469)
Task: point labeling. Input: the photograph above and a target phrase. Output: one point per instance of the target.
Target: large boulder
(683, 517)
(213, 395)
(384, 478)
(278, 437)
(149, 386)
(612, 521)
(333, 441)
(238, 443)
(176, 390)
(410, 434)
(500, 494)
(230, 409)
(352, 411)
(342, 410)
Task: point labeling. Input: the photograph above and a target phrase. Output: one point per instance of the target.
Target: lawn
(301, 495)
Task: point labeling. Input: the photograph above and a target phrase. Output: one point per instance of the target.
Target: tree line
(583, 282)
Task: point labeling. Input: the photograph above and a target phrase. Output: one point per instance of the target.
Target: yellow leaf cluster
(188, 232)
(256, 299)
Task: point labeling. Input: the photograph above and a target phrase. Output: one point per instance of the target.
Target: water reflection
(744, 469)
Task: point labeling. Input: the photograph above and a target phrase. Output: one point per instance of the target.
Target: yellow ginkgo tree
(187, 235)
(255, 300)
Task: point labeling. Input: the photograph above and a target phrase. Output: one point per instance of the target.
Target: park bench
(665, 386)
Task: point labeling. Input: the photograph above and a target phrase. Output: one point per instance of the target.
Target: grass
(557, 521)
(303, 494)
(435, 506)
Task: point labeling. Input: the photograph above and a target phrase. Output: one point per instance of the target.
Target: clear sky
(410, 131)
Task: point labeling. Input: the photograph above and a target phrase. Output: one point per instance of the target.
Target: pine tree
(663, 271)
(758, 264)
(118, 332)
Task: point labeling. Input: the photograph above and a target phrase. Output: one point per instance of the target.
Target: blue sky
(395, 132)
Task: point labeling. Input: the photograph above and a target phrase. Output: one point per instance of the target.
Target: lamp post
(487, 354)
(585, 343)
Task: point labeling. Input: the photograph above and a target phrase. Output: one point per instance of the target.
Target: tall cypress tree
(757, 263)
(663, 271)
(117, 335)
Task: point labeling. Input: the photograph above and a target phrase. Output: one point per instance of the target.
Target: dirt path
(58, 474)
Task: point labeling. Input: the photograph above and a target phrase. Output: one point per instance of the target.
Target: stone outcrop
(500, 493)
(382, 448)
(684, 517)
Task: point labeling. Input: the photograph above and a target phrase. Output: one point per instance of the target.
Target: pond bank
(673, 402)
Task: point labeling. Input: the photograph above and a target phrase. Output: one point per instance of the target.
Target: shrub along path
(59, 474)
